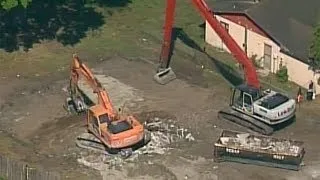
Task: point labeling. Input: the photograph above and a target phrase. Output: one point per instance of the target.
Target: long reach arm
(77, 69)
(207, 14)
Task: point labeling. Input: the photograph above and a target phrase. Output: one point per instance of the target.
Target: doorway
(267, 57)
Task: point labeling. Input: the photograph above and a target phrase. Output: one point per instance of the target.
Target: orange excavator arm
(79, 69)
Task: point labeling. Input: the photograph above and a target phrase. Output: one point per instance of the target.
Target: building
(277, 32)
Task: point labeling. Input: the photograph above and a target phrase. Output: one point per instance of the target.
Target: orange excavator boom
(77, 69)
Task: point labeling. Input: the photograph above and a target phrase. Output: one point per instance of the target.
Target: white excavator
(258, 110)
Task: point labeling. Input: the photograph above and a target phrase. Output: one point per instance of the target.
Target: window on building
(225, 25)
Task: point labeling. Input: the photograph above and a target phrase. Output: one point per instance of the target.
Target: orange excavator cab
(108, 131)
(118, 132)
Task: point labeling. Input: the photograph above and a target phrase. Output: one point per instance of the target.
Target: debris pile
(169, 128)
(101, 161)
(163, 133)
(252, 142)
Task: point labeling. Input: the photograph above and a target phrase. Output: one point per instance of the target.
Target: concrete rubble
(251, 142)
(163, 134)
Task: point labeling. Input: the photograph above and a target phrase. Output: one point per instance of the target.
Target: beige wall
(255, 46)
(298, 72)
(213, 39)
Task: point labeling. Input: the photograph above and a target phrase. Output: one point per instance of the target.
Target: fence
(14, 170)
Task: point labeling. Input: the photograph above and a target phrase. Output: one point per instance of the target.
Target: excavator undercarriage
(246, 121)
(90, 142)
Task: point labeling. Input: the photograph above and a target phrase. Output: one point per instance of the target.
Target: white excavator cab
(243, 97)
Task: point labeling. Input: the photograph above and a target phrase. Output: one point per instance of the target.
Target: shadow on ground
(111, 3)
(227, 72)
(67, 21)
(285, 124)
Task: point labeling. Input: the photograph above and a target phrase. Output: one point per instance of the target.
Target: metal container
(259, 150)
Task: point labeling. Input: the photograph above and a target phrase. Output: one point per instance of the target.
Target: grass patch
(271, 81)
(131, 31)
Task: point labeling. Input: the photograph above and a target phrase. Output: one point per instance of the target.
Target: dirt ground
(36, 128)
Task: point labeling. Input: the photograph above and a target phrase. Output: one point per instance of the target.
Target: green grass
(122, 33)
(272, 82)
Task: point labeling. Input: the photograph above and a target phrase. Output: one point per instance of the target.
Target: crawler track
(90, 142)
(246, 121)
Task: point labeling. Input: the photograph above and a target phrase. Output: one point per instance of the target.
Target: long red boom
(249, 69)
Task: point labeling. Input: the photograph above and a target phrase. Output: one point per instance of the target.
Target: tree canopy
(66, 21)
(8, 4)
(315, 49)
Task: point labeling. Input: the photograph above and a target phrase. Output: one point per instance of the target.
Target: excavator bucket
(165, 76)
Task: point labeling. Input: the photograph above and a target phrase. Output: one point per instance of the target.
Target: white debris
(162, 136)
(246, 140)
(243, 137)
(96, 166)
(139, 100)
(65, 89)
(225, 140)
(19, 119)
(190, 137)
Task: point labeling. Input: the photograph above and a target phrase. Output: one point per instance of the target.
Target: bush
(256, 62)
(282, 74)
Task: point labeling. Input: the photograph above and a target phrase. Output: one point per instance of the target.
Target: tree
(9, 4)
(315, 50)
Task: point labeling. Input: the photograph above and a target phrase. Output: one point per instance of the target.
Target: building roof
(289, 22)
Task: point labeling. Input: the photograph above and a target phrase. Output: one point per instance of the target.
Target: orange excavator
(109, 131)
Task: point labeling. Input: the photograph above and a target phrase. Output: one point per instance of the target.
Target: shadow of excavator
(227, 72)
